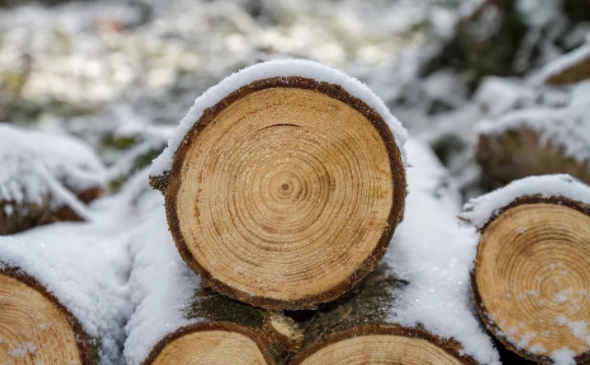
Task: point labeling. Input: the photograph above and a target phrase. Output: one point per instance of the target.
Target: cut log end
(210, 344)
(286, 193)
(392, 345)
(532, 279)
(35, 329)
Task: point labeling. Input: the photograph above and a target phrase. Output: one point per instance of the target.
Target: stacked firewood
(304, 230)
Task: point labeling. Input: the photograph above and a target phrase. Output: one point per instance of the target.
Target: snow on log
(44, 178)
(284, 184)
(415, 308)
(531, 280)
(61, 297)
(178, 318)
(570, 68)
(538, 141)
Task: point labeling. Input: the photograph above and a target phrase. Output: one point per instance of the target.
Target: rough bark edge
(489, 323)
(88, 353)
(172, 185)
(450, 346)
(210, 326)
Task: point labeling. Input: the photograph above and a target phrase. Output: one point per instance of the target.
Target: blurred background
(491, 85)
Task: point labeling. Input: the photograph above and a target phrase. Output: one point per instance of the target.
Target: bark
(88, 348)
(516, 154)
(170, 183)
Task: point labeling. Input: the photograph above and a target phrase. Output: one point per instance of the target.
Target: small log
(516, 154)
(358, 329)
(45, 178)
(62, 298)
(532, 271)
(227, 332)
(286, 192)
(36, 328)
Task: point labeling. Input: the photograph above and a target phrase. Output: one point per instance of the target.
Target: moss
(139, 163)
(217, 308)
(96, 344)
(369, 303)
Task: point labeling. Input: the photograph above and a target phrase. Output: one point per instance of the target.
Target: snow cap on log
(570, 68)
(271, 69)
(69, 275)
(479, 211)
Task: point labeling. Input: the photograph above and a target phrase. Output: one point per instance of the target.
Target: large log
(60, 299)
(424, 318)
(284, 184)
(45, 178)
(532, 272)
(178, 318)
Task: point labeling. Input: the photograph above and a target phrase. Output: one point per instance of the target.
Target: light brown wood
(285, 195)
(381, 350)
(33, 330)
(211, 348)
(532, 277)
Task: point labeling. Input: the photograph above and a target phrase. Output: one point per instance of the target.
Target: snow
(481, 210)
(161, 284)
(269, 69)
(565, 128)
(434, 254)
(497, 95)
(36, 166)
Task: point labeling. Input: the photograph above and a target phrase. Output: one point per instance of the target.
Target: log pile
(282, 190)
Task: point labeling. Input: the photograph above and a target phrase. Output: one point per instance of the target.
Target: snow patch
(269, 69)
(161, 284)
(436, 261)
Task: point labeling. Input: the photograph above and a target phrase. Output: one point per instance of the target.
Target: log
(45, 178)
(178, 319)
(536, 141)
(284, 184)
(61, 299)
(36, 327)
(532, 271)
(358, 329)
